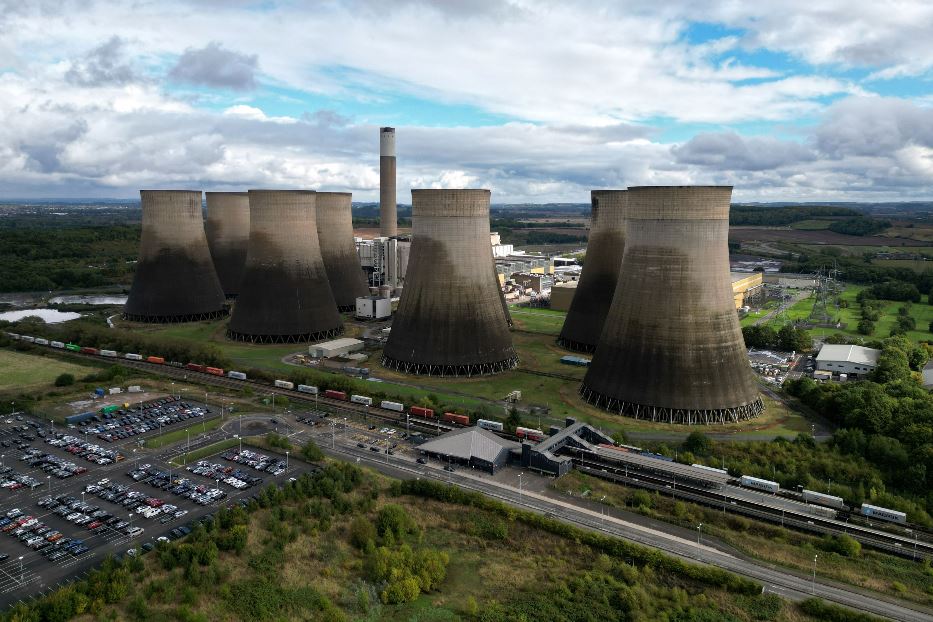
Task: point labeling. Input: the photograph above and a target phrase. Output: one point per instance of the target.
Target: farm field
(811, 225)
(22, 372)
(917, 265)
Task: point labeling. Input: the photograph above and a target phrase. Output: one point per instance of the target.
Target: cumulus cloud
(729, 151)
(214, 66)
(104, 65)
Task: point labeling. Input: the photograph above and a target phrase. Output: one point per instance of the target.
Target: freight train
(397, 407)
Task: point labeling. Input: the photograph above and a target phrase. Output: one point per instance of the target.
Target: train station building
(474, 447)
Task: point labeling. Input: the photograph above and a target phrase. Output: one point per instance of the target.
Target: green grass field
(547, 321)
(811, 225)
(858, 250)
(849, 316)
(176, 435)
(20, 371)
(754, 316)
(916, 265)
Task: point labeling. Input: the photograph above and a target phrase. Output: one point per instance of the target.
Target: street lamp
(699, 526)
(22, 574)
(813, 584)
(286, 461)
(520, 485)
(237, 436)
(49, 477)
(188, 446)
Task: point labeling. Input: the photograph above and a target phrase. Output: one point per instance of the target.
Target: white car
(135, 531)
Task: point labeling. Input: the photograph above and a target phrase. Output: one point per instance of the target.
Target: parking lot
(75, 499)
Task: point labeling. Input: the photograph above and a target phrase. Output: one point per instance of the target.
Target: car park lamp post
(49, 477)
(188, 446)
(520, 486)
(22, 573)
(286, 461)
(237, 436)
(699, 526)
(813, 584)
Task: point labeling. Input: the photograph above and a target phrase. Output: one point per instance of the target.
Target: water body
(88, 300)
(49, 316)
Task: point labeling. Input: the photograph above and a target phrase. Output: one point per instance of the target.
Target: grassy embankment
(22, 372)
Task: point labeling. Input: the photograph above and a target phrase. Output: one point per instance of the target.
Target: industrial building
(851, 361)
(227, 228)
(373, 308)
(334, 221)
(384, 260)
(498, 248)
(473, 447)
(538, 284)
(450, 319)
(543, 457)
(337, 347)
(285, 296)
(597, 285)
(562, 295)
(175, 280)
(388, 206)
(676, 353)
(745, 286)
(791, 281)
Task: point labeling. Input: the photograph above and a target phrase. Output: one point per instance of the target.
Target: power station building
(334, 221)
(227, 228)
(175, 280)
(597, 285)
(450, 320)
(285, 296)
(674, 354)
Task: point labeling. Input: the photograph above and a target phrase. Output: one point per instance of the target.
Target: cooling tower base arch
(175, 319)
(450, 371)
(576, 346)
(304, 338)
(660, 414)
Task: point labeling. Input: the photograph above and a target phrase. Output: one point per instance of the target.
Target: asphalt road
(774, 579)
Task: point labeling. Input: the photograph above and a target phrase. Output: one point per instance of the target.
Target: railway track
(421, 424)
(912, 549)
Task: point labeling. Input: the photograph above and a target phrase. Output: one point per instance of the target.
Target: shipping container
(529, 433)
(455, 418)
(214, 371)
(27, 338)
(335, 395)
(760, 484)
(284, 384)
(133, 357)
(108, 353)
(486, 424)
(392, 406)
(236, 375)
(41, 341)
(361, 399)
(709, 468)
(874, 511)
(115, 390)
(306, 388)
(821, 499)
(419, 411)
(135, 388)
(158, 360)
(106, 410)
(57, 344)
(73, 347)
(13, 336)
(89, 350)
(194, 367)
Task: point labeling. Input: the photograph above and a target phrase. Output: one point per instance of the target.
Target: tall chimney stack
(388, 217)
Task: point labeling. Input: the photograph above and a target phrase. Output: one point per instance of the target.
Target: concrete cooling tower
(335, 235)
(594, 292)
(175, 279)
(284, 296)
(227, 228)
(671, 349)
(388, 207)
(450, 320)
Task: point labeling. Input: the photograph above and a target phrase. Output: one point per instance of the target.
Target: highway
(783, 582)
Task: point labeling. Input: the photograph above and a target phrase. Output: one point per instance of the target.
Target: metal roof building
(846, 359)
(474, 446)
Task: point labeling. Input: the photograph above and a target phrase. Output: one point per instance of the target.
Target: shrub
(64, 380)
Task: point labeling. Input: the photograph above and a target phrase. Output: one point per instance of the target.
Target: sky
(538, 100)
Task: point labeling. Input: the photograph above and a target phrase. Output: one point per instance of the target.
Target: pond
(50, 316)
(88, 300)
